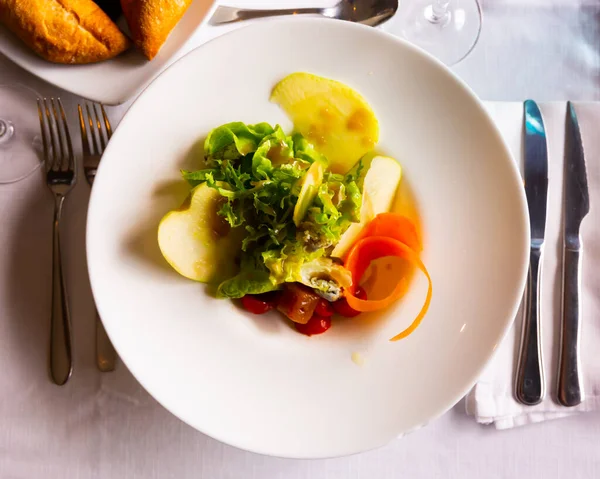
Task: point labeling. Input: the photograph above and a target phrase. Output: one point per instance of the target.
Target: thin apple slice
(336, 119)
(196, 241)
(379, 189)
(310, 186)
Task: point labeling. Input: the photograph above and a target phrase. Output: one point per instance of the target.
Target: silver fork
(61, 176)
(94, 142)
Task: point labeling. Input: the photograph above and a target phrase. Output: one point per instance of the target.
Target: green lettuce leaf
(351, 205)
(234, 140)
(336, 206)
(209, 175)
(275, 147)
(285, 264)
(305, 151)
(246, 282)
(253, 278)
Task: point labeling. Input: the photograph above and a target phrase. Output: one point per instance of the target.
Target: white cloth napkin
(491, 400)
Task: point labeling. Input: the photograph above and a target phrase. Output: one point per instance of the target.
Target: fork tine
(95, 145)
(84, 136)
(106, 122)
(44, 134)
(63, 116)
(99, 125)
(55, 163)
(59, 138)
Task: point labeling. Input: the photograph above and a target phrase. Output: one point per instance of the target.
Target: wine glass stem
(438, 11)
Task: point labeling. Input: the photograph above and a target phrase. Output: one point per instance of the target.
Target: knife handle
(530, 386)
(570, 392)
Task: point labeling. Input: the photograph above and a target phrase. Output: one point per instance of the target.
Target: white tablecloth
(106, 426)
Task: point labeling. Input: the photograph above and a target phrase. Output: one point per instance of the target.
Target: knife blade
(577, 205)
(529, 382)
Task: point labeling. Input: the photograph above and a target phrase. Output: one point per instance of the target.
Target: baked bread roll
(64, 31)
(151, 21)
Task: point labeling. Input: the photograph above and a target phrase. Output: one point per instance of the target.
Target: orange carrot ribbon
(369, 249)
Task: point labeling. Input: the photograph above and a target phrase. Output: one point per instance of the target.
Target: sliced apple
(334, 117)
(379, 188)
(310, 185)
(196, 241)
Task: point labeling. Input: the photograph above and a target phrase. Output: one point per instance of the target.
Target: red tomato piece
(342, 307)
(298, 302)
(316, 325)
(324, 309)
(257, 305)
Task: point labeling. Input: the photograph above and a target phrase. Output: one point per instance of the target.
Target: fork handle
(61, 358)
(106, 356)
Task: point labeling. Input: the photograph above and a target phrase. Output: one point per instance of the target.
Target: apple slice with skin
(310, 185)
(336, 119)
(197, 242)
(379, 189)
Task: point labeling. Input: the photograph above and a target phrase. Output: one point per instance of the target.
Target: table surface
(112, 432)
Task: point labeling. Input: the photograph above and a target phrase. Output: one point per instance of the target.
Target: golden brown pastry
(151, 21)
(64, 31)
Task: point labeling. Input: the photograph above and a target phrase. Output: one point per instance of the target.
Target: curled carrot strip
(394, 225)
(369, 249)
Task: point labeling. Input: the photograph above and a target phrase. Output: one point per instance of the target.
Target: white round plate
(252, 381)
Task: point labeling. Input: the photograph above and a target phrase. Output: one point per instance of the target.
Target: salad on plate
(296, 221)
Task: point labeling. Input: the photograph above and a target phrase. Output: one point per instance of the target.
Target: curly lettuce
(258, 170)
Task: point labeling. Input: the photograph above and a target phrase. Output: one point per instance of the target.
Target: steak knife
(529, 382)
(577, 206)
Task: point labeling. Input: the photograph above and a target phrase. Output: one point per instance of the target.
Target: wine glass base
(20, 137)
(449, 37)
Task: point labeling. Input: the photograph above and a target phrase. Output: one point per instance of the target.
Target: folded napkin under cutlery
(492, 399)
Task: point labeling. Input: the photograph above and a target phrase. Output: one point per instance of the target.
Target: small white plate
(252, 381)
(114, 81)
